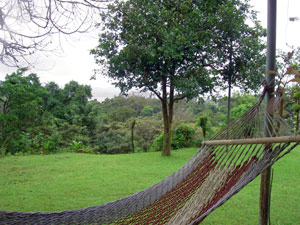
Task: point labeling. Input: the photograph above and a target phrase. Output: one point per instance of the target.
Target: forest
(44, 119)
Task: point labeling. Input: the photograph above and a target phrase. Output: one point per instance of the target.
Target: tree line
(36, 118)
(43, 119)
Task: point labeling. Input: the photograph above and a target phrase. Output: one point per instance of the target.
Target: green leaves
(179, 49)
(296, 107)
(21, 104)
(152, 39)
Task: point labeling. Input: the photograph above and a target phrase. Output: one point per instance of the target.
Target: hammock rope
(221, 168)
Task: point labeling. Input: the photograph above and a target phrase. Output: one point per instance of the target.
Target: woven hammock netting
(213, 175)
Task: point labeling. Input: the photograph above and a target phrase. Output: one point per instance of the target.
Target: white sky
(77, 64)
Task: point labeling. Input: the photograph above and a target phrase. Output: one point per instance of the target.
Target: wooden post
(265, 186)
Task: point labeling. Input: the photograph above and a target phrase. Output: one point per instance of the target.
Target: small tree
(296, 105)
(288, 65)
(203, 123)
(241, 59)
(132, 136)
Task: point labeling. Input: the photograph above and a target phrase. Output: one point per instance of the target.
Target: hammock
(221, 168)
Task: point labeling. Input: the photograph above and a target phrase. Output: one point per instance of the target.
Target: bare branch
(155, 92)
(27, 26)
(177, 98)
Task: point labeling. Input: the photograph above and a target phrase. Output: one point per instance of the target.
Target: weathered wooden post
(265, 186)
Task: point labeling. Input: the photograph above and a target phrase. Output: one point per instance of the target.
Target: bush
(76, 145)
(183, 136)
(114, 141)
(145, 131)
(158, 143)
(147, 111)
(16, 143)
(53, 143)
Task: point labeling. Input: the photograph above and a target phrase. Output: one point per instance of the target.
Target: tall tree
(75, 99)
(240, 49)
(163, 47)
(54, 100)
(21, 104)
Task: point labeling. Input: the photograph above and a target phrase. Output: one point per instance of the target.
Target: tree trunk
(229, 101)
(297, 121)
(132, 136)
(166, 151)
(230, 74)
(167, 111)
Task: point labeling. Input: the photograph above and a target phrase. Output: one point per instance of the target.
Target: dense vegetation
(39, 119)
(36, 118)
(180, 49)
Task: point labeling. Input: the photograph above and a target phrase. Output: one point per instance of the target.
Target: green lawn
(72, 181)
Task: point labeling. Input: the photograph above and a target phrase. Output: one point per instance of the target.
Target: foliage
(76, 145)
(158, 143)
(114, 139)
(147, 111)
(169, 48)
(183, 136)
(65, 118)
(203, 123)
(21, 108)
(288, 64)
(240, 47)
(39, 119)
(146, 129)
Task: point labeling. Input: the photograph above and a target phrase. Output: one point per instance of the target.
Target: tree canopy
(166, 47)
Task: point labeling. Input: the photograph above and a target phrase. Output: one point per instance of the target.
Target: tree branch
(177, 98)
(156, 93)
(27, 26)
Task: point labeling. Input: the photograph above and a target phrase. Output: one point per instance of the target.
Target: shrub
(158, 143)
(145, 131)
(183, 136)
(114, 140)
(76, 145)
(147, 111)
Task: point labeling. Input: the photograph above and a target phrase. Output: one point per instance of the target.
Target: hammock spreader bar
(267, 140)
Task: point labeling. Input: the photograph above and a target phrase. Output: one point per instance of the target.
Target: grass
(72, 181)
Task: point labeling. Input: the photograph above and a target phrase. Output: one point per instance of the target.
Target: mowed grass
(72, 181)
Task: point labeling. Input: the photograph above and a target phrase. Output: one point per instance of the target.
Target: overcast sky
(75, 63)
